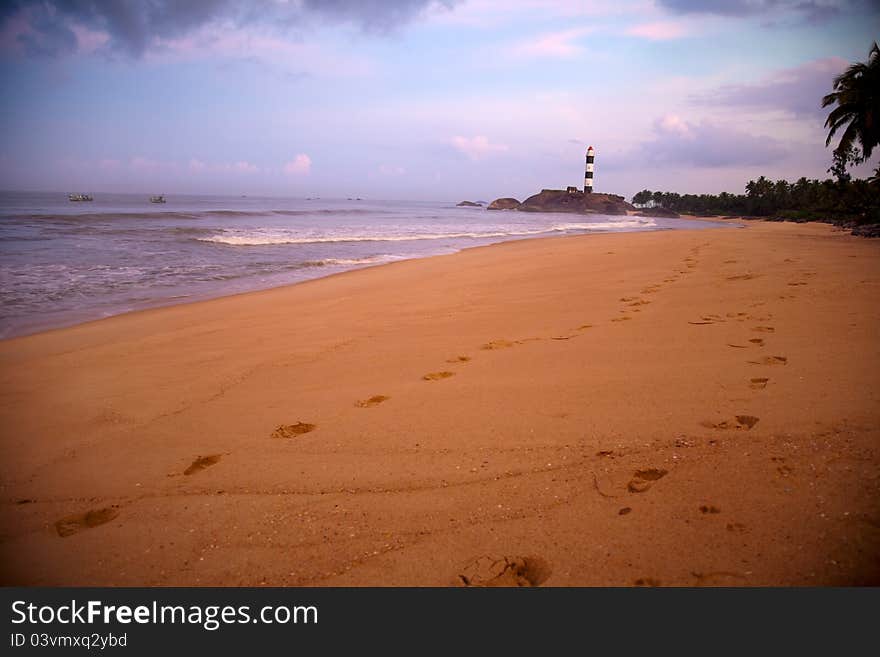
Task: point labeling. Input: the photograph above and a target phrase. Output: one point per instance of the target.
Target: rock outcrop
(468, 204)
(504, 204)
(867, 230)
(557, 200)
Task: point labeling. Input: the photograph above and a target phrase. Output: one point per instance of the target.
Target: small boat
(157, 199)
(79, 197)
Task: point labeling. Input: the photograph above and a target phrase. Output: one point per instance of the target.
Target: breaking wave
(273, 237)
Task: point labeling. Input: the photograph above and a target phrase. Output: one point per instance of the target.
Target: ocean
(64, 262)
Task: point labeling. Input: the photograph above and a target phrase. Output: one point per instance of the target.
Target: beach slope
(668, 408)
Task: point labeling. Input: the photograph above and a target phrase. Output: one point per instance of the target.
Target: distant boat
(157, 199)
(79, 197)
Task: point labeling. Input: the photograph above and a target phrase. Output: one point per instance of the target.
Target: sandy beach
(676, 408)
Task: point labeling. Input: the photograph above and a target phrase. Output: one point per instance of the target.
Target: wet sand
(672, 408)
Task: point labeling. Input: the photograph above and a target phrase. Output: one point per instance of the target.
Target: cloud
(659, 31)
(56, 27)
(797, 91)
(810, 11)
(720, 7)
(476, 148)
(242, 166)
(678, 142)
(553, 44)
(301, 165)
(373, 15)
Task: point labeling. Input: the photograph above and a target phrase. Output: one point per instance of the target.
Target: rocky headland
(557, 200)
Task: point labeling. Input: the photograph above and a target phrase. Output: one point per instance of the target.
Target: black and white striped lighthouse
(588, 173)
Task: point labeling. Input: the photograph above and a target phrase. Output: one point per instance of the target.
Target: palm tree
(857, 95)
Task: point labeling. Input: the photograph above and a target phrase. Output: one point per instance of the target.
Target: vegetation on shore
(842, 201)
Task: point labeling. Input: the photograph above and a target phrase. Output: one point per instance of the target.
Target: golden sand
(668, 408)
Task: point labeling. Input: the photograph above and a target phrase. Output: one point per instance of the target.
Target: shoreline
(170, 303)
(416, 424)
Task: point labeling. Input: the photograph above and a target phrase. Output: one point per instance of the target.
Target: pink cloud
(659, 31)
(476, 148)
(554, 44)
(704, 144)
(301, 165)
(242, 166)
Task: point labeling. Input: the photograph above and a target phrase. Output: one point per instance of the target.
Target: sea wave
(347, 262)
(274, 237)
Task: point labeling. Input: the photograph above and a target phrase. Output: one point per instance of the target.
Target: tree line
(842, 200)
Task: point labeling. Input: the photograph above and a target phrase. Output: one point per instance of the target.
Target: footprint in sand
(646, 581)
(492, 571)
(709, 319)
(375, 400)
(201, 463)
(708, 508)
(639, 302)
(757, 341)
(620, 319)
(458, 359)
(747, 421)
(73, 524)
(741, 277)
(292, 430)
(643, 479)
(764, 329)
(758, 383)
(498, 344)
(770, 360)
(436, 376)
(741, 422)
(584, 327)
(783, 469)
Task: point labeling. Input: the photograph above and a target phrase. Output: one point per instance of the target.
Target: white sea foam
(262, 237)
(348, 262)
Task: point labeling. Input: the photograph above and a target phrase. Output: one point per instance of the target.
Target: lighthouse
(588, 172)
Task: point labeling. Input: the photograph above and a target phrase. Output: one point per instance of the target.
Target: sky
(419, 99)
